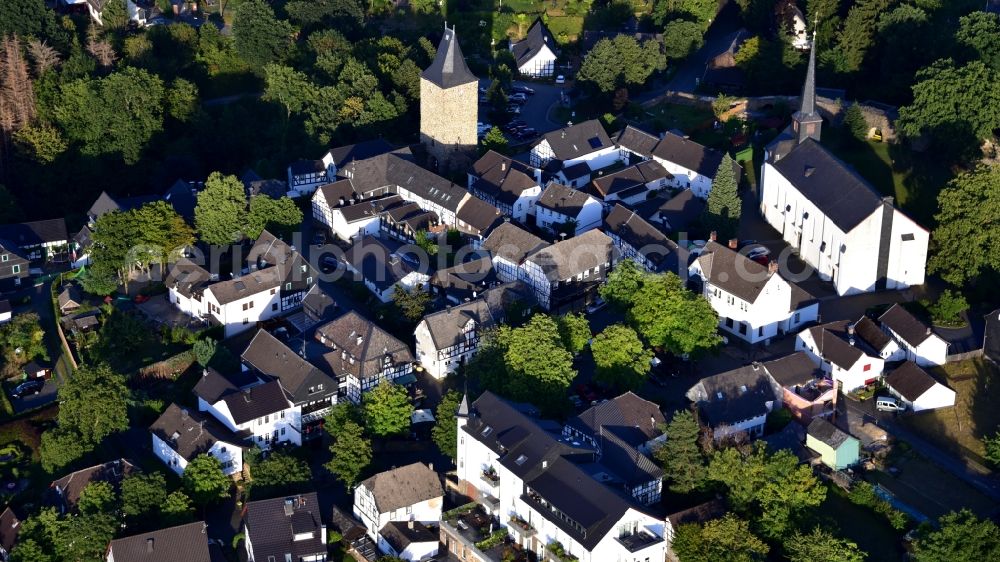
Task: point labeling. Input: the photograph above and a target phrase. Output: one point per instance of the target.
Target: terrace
(638, 540)
(481, 535)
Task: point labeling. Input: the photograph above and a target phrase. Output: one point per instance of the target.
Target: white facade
(862, 372)
(279, 427)
(439, 363)
(541, 65)
(771, 315)
(243, 314)
(588, 218)
(6, 316)
(931, 352)
(413, 552)
(752, 427)
(302, 184)
(230, 455)
(687, 178)
(599, 159)
(937, 396)
(365, 509)
(848, 259)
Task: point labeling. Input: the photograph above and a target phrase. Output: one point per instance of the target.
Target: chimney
(360, 339)
(733, 243)
(928, 330)
(713, 236)
(149, 545)
(545, 464)
(409, 524)
(772, 267)
(503, 166)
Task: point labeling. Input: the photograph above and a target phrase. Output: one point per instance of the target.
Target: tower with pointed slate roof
(807, 122)
(449, 104)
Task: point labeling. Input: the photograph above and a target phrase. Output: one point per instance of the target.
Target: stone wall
(448, 120)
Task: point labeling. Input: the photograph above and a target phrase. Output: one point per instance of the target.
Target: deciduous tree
(821, 544)
(668, 315)
(953, 103)
(495, 141)
(967, 239)
(445, 431)
(258, 36)
(340, 414)
(220, 214)
(176, 509)
(204, 480)
(961, 537)
(204, 351)
(143, 494)
(387, 409)
(574, 330)
(352, 453)
(622, 285)
(721, 540)
(979, 34)
(620, 62)
(622, 360)
(279, 216)
(279, 473)
(411, 304)
(681, 38)
(97, 497)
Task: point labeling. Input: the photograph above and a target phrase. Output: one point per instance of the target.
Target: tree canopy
(220, 214)
(962, 537)
(574, 330)
(722, 212)
(387, 409)
(967, 239)
(445, 431)
(680, 456)
(352, 453)
(821, 544)
(620, 62)
(721, 540)
(621, 358)
(204, 480)
(258, 36)
(668, 315)
(279, 473)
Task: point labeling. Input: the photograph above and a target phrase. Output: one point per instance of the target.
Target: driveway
(48, 395)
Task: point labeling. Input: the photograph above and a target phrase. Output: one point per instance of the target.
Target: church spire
(449, 69)
(807, 121)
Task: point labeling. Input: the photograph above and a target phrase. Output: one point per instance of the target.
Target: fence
(973, 354)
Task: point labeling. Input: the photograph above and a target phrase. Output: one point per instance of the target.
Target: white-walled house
(408, 493)
(188, 542)
(584, 142)
(277, 529)
(839, 352)
(559, 205)
(917, 389)
(511, 186)
(535, 56)
(737, 401)
(179, 435)
(261, 412)
(885, 347)
(689, 164)
(304, 176)
(631, 185)
(917, 341)
(567, 274)
(637, 240)
(410, 540)
(754, 302)
(336, 158)
(381, 270)
(530, 480)
(509, 245)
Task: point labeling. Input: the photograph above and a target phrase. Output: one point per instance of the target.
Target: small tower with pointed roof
(449, 104)
(807, 122)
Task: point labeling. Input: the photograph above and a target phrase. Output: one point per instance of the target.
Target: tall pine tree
(722, 213)
(683, 463)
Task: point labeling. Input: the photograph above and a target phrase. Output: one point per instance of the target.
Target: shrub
(948, 309)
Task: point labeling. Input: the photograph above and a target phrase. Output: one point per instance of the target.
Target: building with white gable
(838, 351)
(583, 143)
(535, 56)
(262, 413)
(179, 435)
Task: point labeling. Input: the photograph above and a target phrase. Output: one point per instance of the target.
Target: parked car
(888, 404)
(528, 132)
(328, 264)
(26, 388)
(518, 98)
(523, 90)
(514, 109)
(560, 79)
(598, 304)
(519, 122)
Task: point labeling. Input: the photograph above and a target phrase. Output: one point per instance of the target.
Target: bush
(855, 122)
(948, 309)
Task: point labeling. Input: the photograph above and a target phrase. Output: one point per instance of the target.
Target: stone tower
(806, 122)
(449, 105)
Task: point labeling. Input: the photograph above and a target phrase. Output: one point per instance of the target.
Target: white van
(888, 404)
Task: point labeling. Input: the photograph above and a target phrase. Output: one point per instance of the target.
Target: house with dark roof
(511, 186)
(868, 331)
(836, 349)
(916, 339)
(560, 206)
(544, 487)
(637, 240)
(509, 245)
(623, 432)
(318, 306)
(254, 185)
(582, 143)
(289, 528)
(805, 390)
(754, 302)
(631, 185)
(635, 145)
(104, 204)
(337, 158)
(409, 493)
(41, 241)
(409, 540)
(449, 338)
(672, 213)
(383, 271)
(179, 435)
(65, 492)
(566, 274)
(737, 401)
(837, 449)
(182, 196)
(361, 355)
(10, 527)
(831, 216)
(404, 221)
(308, 388)
(917, 389)
(14, 266)
(464, 281)
(304, 176)
(260, 413)
(535, 55)
(691, 165)
(184, 542)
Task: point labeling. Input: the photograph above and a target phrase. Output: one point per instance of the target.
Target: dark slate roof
(547, 466)
(72, 484)
(362, 359)
(868, 330)
(339, 190)
(318, 302)
(633, 176)
(212, 386)
(242, 287)
(905, 325)
(827, 433)
(702, 513)
(675, 214)
(734, 396)
(502, 178)
(303, 167)
(273, 360)
(663, 252)
(359, 151)
(184, 542)
(991, 337)
(472, 275)
(404, 486)
(512, 243)
(576, 171)
(689, 154)
(734, 273)
(833, 343)
(562, 199)
(183, 197)
(10, 526)
(836, 189)
(377, 263)
(345, 524)
(446, 327)
(637, 141)
(34, 233)
(272, 524)
(370, 208)
(401, 534)
(256, 402)
(275, 189)
(190, 432)
(572, 256)
(395, 170)
(5, 306)
(635, 419)
(538, 37)
(272, 263)
(479, 215)
(578, 140)
(448, 69)
(187, 277)
(910, 381)
(795, 369)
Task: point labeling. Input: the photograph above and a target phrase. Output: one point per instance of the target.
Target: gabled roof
(72, 484)
(369, 209)
(447, 327)
(633, 176)
(871, 334)
(34, 233)
(479, 215)
(404, 486)
(910, 381)
(271, 526)
(572, 256)
(272, 359)
(339, 193)
(187, 277)
(578, 140)
(397, 170)
(734, 396)
(795, 369)
(448, 69)
(472, 275)
(10, 526)
(906, 325)
(245, 286)
(185, 542)
(836, 189)
(183, 197)
(360, 347)
(674, 214)
(636, 140)
(826, 432)
(401, 534)
(691, 155)
(564, 200)
(190, 432)
(303, 167)
(512, 243)
(318, 302)
(734, 273)
(634, 419)
(833, 343)
(537, 39)
(358, 151)
(377, 263)
(502, 178)
(632, 229)
(256, 402)
(212, 386)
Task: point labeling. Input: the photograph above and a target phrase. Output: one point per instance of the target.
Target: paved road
(536, 111)
(716, 40)
(987, 484)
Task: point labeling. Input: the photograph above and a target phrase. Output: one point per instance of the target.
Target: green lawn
(869, 530)
(688, 118)
(930, 489)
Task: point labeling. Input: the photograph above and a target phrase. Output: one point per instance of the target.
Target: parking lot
(534, 112)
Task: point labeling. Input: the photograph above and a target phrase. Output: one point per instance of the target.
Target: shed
(836, 448)
(917, 389)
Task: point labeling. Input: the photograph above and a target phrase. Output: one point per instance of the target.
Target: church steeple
(807, 122)
(449, 69)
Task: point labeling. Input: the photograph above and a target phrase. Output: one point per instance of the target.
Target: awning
(405, 379)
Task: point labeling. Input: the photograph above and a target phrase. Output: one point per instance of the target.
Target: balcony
(638, 540)
(491, 477)
(521, 527)
(555, 552)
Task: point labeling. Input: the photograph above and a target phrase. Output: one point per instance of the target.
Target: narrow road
(716, 40)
